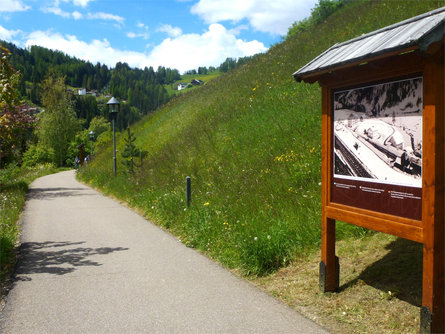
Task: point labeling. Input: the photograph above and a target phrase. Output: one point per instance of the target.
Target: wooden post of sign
(329, 265)
(432, 311)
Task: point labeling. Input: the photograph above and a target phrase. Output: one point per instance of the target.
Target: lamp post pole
(113, 105)
(92, 140)
(114, 150)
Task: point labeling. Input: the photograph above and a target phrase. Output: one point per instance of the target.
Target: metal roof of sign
(420, 31)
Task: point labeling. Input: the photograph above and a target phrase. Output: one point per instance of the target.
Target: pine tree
(130, 152)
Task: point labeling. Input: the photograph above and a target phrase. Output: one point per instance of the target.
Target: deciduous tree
(58, 124)
(9, 80)
(16, 122)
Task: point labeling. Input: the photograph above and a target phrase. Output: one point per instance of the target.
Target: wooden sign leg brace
(329, 265)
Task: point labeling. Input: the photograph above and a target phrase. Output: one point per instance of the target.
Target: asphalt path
(90, 265)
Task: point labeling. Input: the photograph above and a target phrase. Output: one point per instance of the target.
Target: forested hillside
(35, 62)
(142, 89)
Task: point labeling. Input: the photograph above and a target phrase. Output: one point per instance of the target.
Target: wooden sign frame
(429, 228)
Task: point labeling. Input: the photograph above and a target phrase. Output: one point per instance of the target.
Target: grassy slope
(250, 140)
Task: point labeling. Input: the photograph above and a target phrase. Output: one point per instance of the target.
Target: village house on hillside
(195, 82)
(84, 91)
(182, 85)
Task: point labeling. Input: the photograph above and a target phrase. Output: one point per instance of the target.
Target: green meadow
(250, 140)
(187, 78)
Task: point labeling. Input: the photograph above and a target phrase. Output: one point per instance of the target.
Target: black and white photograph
(378, 133)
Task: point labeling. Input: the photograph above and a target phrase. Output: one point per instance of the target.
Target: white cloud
(189, 51)
(144, 35)
(237, 30)
(13, 6)
(106, 16)
(142, 32)
(78, 3)
(56, 11)
(185, 52)
(141, 25)
(8, 35)
(77, 15)
(95, 51)
(81, 3)
(274, 17)
(171, 31)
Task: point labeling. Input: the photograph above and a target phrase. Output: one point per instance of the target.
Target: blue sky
(182, 34)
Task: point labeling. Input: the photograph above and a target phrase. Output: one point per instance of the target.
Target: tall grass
(250, 140)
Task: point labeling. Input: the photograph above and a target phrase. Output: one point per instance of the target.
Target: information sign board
(377, 147)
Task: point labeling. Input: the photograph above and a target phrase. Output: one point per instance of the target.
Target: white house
(182, 86)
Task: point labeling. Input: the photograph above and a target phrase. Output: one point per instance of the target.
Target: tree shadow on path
(50, 193)
(57, 258)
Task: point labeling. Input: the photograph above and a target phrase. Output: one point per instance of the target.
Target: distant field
(172, 88)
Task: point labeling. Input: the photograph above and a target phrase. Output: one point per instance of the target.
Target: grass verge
(380, 286)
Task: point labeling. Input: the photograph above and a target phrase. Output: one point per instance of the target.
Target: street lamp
(113, 107)
(92, 139)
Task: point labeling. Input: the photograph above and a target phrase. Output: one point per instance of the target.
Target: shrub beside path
(90, 265)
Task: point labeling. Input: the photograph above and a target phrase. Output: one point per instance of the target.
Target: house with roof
(196, 82)
(182, 85)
